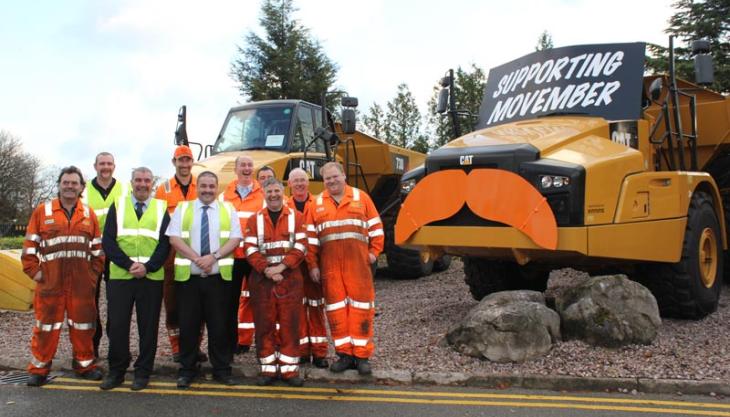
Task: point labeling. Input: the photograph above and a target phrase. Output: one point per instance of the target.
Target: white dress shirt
(175, 229)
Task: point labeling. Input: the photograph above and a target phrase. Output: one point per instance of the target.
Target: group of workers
(247, 262)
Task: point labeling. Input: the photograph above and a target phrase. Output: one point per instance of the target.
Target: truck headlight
(407, 186)
(553, 181)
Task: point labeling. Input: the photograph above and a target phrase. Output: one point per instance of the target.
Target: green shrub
(11, 243)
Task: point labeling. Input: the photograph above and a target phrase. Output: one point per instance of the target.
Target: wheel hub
(708, 257)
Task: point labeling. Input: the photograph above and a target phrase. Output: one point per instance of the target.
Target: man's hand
(372, 258)
(205, 263)
(314, 274)
(270, 271)
(277, 277)
(38, 277)
(138, 270)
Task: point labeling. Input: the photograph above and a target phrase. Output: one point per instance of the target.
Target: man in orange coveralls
(182, 187)
(275, 243)
(247, 197)
(350, 237)
(62, 253)
(312, 330)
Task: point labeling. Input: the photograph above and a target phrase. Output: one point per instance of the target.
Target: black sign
(599, 80)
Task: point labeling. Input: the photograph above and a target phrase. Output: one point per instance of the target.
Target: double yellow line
(416, 397)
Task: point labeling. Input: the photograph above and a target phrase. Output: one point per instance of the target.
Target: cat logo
(465, 159)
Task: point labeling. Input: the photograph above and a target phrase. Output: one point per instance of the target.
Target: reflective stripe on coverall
(68, 252)
(245, 207)
(312, 328)
(346, 233)
(269, 245)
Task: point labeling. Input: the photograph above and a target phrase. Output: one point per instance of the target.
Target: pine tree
(402, 123)
(285, 64)
(545, 41)
(374, 121)
(695, 20)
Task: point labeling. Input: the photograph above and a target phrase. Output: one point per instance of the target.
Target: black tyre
(484, 276)
(442, 264)
(402, 263)
(690, 288)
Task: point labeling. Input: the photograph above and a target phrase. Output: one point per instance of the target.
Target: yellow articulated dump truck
(288, 134)
(581, 161)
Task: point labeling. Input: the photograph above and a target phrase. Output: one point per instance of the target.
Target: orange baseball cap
(183, 150)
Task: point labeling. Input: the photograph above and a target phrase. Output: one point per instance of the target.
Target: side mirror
(655, 89)
(348, 121)
(704, 69)
(443, 101)
(181, 133)
(329, 138)
(349, 101)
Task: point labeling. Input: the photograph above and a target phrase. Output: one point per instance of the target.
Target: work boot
(35, 380)
(140, 383)
(344, 363)
(202, 357)
(92, 375)
(320, 362)
(363, 366)
(112, 381)
(265, 380)
(295, 381)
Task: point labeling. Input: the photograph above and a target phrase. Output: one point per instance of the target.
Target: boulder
(507, 326)
(609, 311)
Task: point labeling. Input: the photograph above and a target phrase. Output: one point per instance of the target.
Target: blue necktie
(204, 233)
(139, 209)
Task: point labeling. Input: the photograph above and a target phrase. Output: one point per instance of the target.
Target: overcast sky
(79, 77)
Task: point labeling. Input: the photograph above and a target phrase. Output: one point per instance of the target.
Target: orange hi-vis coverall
(68, 254)
(346, 233)
(245, 207)
(266, 245)
(312, 329)
(171, 192)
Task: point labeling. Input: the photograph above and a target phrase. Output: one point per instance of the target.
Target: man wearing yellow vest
(204, 233)
(135, 241)
(100, 193)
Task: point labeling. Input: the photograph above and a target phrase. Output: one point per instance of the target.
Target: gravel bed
(413, 317)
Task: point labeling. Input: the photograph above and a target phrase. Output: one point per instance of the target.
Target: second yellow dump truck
(288, 134)
(581, 161)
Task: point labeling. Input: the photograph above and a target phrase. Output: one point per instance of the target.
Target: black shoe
(176, 357)
(202, 357)
(241, 349)
(344, 363)
(226, 379)
(320, 362)
(184, 381)
(92, 375)
(295, 381)
(303, 360)
(140, 383)
(112, 381)
(35, 380)
(265, 380)
(363, 367)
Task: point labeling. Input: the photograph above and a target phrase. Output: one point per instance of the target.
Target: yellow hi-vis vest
(138, 238)
(225, 265)
(93, 199)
